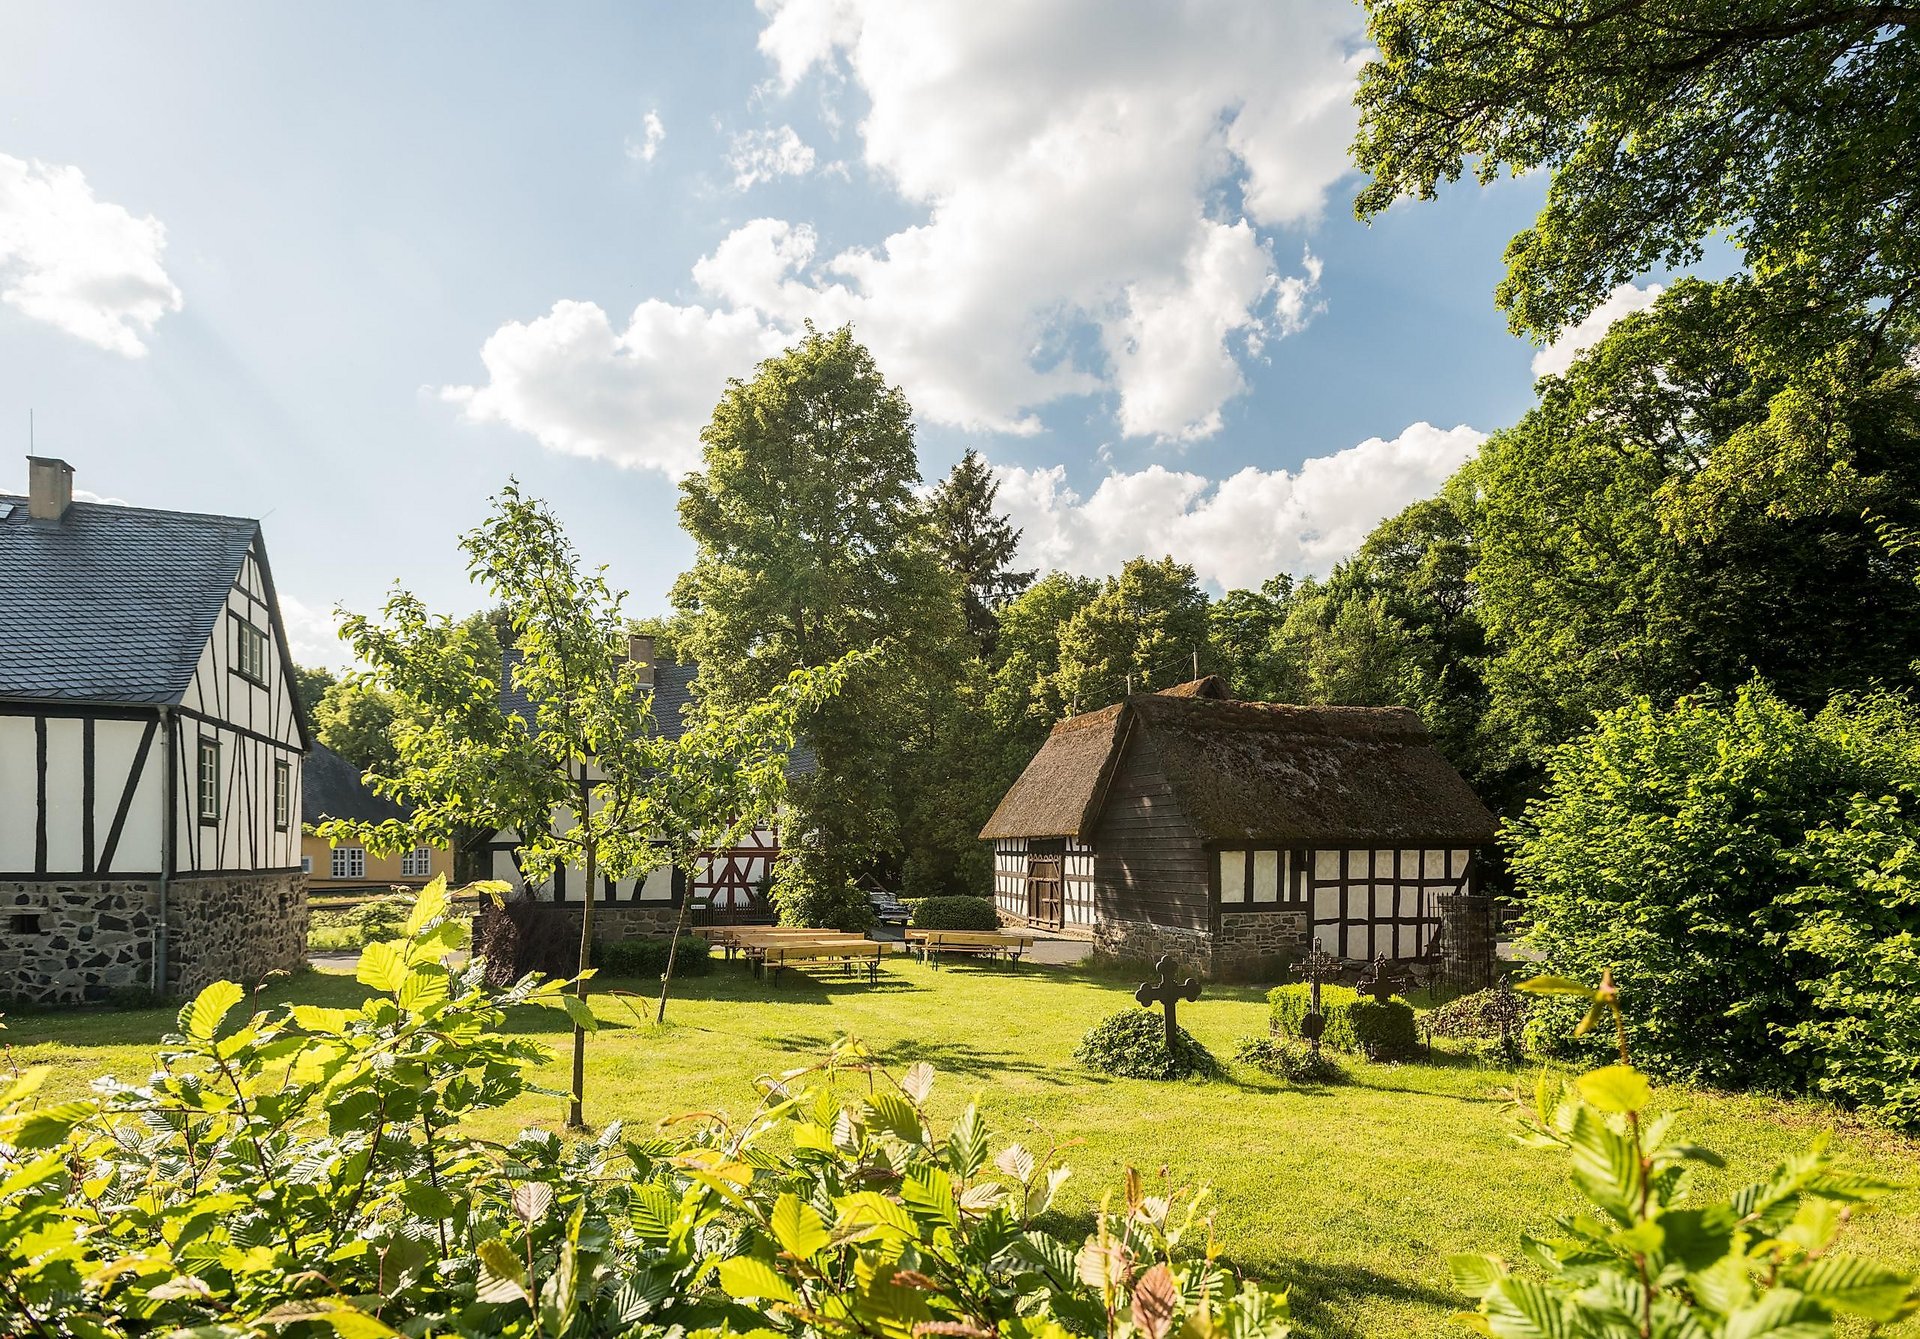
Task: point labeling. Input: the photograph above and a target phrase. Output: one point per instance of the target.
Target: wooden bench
(747, 938)
(849, 951)
(984, 943)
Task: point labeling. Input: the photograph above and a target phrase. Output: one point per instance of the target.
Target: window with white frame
(208, 792)
(349, 862)
(306, 864)
(250, 654)
(417, 863)
(282, 795)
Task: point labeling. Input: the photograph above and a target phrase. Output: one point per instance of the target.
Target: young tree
(813, 544)
(568, 757)
(977, 543)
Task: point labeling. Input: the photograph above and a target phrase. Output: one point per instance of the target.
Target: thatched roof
(1254, 771)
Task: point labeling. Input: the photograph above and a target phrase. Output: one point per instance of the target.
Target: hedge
(954, 913)
(1354, 1022)
(648, 957)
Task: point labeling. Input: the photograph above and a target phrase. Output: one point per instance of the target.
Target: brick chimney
(49, 488)
(640, 652)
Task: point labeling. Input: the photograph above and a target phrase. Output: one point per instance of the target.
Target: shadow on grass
(1329, 1299)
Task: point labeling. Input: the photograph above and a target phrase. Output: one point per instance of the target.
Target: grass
(1351, 1195)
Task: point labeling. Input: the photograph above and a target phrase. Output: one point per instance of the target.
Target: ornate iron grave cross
(1166, 994)
(1316, 967)
(1380, 981)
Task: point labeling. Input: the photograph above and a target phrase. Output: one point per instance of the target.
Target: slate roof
(1253, 771)
(330, 787)
(111, 604)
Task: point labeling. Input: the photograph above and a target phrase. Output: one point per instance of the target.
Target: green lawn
(1353, 1196)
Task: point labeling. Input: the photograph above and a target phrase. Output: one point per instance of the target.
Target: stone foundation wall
(614, 921)
(1191, 950)
(77, 942)
(234, 927)
(1250, 940)
(70, 943)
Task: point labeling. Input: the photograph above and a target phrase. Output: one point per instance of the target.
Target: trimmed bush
(1289, 1058)
(1354, 1022)
(648, 957)
(954, 913)
(1485, 1014)
(1133, 1045)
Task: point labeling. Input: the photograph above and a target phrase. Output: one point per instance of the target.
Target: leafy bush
(1752, 876)
(1355, 1022)
(337, 929)
(303, 1171)
(1647, 1259)
(805, 897)
(647, 957)
(954, 913)
(1133, 1045)
(1493, 1013)
(1289, 1058)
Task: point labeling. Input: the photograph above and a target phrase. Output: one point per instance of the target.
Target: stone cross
(1166, 994)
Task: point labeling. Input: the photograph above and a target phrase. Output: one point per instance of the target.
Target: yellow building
(331, 788)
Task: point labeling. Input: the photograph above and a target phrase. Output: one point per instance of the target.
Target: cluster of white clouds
(1241, 530)
(313, 635)
(1098, 184)
(653, 133)
(84, 265)
(1569, 344)
(767, 155)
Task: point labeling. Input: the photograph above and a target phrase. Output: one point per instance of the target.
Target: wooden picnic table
(750, 938)
(849, 950)
(987, 943)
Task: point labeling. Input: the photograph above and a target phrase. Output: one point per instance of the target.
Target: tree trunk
(673, 946)
(576, 1110)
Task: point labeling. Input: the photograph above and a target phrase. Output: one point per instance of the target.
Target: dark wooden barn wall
(1149, 864)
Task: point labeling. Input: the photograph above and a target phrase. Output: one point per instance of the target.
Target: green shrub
(804, 897)
(646, 958)
(1751, 875)
(1486, 1014)
(302, 1170)
(1289, 1058)
(338, 929)
(1133, 1045)
(1382, 1031)
(1648, 1258)
(954, 913)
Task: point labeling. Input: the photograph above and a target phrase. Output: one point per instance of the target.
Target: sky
(349, 267)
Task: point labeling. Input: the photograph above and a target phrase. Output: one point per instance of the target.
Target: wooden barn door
(1045, 873)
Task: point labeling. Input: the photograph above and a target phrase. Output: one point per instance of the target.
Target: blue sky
(347, 267)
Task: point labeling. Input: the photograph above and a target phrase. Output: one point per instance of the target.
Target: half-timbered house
(728, 880)
(1231, 834)
(150, 749)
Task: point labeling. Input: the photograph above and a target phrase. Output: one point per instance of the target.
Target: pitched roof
(1254, 771)
(330, 787)
(111, 604)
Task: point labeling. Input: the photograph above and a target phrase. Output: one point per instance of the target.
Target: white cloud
(1240, 530)
(764, 155)
(313, 635)
(653, 133)
(1575, 340)
(637, 396)
(84, 265)
(88, 495)
(1097, 185)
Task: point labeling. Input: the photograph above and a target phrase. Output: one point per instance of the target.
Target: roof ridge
(117, 508)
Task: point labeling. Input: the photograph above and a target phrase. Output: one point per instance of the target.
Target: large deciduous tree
(1144, 630)
(569, 759)
(812, 543)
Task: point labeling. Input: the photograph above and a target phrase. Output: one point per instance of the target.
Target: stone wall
(1191, 950)
(75, 942)
(1258, 941)
(69, 943)
(614, 921)
(234, 927)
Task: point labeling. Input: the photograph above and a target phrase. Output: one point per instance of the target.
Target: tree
(977, 543)
(1791, 129)
(1145, 628)
(812, 544)
(574, 768)
(356, 720)
(1245, 632)
(309, 686)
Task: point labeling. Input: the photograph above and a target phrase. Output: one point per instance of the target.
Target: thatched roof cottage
(1227, 832)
